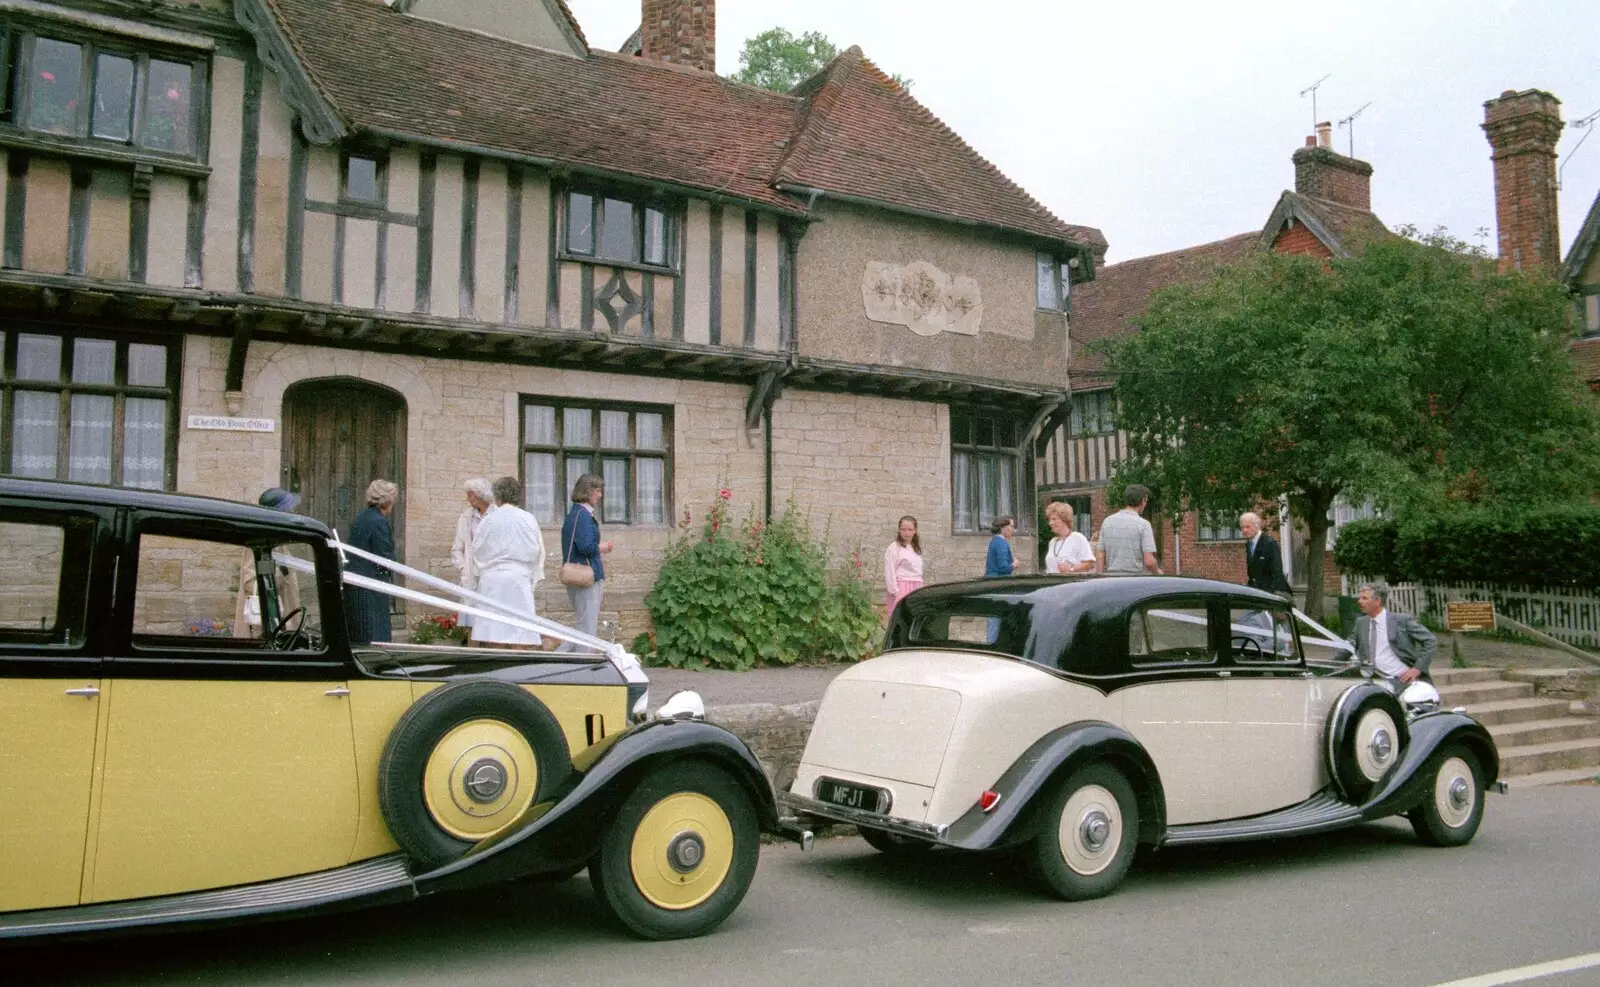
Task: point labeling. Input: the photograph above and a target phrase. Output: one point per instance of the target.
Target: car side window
(1264, 636)
(199, 593)
(1169, 631)
(45, 560)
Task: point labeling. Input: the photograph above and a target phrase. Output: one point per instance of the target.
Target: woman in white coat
(508, 554)
(480, 498)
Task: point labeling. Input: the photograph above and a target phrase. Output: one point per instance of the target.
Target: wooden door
(339, 435)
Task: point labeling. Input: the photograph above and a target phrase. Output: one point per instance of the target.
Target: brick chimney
(1523, 129)
(1323, 173)
(680, 31)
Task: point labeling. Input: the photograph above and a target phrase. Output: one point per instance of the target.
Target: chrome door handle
(87, 692)
(338, 693)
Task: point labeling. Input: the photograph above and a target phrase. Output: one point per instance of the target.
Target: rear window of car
(1165, 631)
(44, 562)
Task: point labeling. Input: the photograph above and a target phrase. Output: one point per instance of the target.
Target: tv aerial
(1312, 89)
(1350, 121)
(1586, 124)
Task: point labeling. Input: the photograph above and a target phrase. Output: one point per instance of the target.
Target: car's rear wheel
(463, 763)
(894, 844)
(680, 854)
(1089, 834)
(1453, 807)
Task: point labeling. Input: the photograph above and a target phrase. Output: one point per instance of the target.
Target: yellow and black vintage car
(187, 737)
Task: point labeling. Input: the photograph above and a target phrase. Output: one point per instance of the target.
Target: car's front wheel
(1089, 835)
(1450, 813)
(680, 853)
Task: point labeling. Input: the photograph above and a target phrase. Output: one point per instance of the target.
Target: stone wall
(30, 575)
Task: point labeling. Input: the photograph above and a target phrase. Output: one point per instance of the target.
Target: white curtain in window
(614, 506)
(576, 467)
(648, 425)
(93, 361)
(539, 425)
(144, 443)
(652, 503)
(38, 357)
(577, 428)
(986, 498)
(89, 445)
(960, 494)
(539, 491)
(147, 365)
(36, 427)
(1003, 469)
(613, 430)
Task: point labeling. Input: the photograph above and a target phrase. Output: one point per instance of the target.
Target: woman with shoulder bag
(582, 572)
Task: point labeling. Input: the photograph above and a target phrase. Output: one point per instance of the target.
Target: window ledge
(627, 265)
(112, 154)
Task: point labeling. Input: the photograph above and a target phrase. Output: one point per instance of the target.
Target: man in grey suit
(1395, 643)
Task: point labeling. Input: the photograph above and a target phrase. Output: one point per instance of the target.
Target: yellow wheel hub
(682, 851)
(479, 779)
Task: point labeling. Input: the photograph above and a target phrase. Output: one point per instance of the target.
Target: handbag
(578, 575)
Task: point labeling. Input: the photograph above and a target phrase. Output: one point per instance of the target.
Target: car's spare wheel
(1366, 734)
(464, 762)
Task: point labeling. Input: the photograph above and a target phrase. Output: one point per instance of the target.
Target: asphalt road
(1367, 906)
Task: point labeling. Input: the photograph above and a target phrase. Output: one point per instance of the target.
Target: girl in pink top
(902, 563)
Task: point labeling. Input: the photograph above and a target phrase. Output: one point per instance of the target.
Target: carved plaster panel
(922, 298)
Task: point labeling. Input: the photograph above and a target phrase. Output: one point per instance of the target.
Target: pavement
(1364, 906)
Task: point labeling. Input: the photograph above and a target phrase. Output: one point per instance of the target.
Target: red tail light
(988, 800)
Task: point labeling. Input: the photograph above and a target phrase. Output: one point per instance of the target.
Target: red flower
(47, 76)
(724, 494)
(174, 94)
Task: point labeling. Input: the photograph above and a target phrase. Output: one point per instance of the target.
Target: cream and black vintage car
(1080, 719)
(165, 760)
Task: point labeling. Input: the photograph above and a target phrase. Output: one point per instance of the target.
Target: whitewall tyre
(1089, 833)
(1452, 806)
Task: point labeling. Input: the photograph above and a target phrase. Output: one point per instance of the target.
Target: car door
(1176, 706)
(1271, 710)
(49, 698)
(229, 758)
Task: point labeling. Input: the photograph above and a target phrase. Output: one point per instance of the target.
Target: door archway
(340, 434)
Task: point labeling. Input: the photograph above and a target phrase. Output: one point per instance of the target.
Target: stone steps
(1501, 711)
(1561, 755)
(1565, 776)
(1533, 732)
(1464, 676)
(1475, 693)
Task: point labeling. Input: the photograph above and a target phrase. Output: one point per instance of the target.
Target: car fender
(1032, 777)
(564, 831)
(1342, 719)
(1406, 785)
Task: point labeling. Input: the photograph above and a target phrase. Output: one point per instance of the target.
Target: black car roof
(1096, 590)
(60, 492)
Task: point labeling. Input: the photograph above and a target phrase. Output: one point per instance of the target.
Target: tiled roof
(850, 130)
(607, 112)
(1110, 303)
(864, 136)
(1583, 246)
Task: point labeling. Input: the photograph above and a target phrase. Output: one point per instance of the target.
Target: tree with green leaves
(1412, 372)
(777, 60)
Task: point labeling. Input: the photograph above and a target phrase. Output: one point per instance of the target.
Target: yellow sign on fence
(1469, 615)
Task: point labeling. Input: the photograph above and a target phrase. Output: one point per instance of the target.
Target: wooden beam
(245, 321)
(184, 310)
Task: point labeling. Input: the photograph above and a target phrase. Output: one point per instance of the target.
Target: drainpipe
(766, 417)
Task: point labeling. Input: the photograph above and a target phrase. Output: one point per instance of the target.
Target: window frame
(1241, 659)
(65, 388)
(641, 204)
(1021, 479)
(380, 178)
(1105, 413)
(1061, 281)
(1150, 660)
(18, 40)
(1209, 531)
(80, 537)
(597, 455)
(1589, 312)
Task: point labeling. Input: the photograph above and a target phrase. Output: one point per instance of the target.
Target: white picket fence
(1572, 616)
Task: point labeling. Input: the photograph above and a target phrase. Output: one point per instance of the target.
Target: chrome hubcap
(1460, 792)
(1094, 830)
(1382, 746)
(685, 852)
(484, 780)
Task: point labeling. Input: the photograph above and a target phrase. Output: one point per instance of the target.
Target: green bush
(740, 595)
(1546, 546)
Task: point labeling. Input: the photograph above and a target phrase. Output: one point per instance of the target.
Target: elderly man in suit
(1262, 561)
(1395, 643)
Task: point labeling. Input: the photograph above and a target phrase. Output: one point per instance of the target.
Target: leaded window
(103, 89)
(1220, 526)
(1053, 282)
(87, 408)
(629, 446)
(985, 470)
(1093, 413)
(609, 227)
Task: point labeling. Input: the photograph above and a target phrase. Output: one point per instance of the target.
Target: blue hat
(279, 499)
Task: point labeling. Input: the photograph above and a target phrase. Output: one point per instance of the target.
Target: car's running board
(1320, 812)
(381, 879)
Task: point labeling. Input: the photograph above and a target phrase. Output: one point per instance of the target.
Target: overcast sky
(1168, 124)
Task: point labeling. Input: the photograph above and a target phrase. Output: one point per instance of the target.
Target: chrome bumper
(860, 817)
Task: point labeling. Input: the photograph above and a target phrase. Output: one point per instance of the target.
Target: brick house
(309, 243)
(1327, 212)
